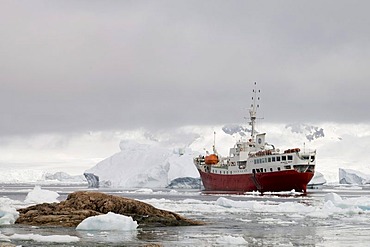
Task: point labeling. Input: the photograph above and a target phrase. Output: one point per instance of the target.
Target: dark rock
(185, 183)
(92, 180)
(83, 204)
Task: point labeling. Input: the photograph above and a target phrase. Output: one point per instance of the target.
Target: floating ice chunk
(144, 190)
(333, 197)
(231, 240)
(362, 203)
(41, 238)
(108, 222)
(8, 214)
(38, 195)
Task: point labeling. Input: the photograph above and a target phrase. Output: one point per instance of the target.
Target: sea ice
(362, 203)
(231, 240)
(38, 195)
(41, 238)
(108, 222)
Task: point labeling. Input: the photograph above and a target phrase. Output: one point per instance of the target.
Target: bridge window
(290, 157)
(283, 158)
(278, 158)
(273, 159)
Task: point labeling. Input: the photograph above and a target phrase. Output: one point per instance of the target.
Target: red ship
(255, 165)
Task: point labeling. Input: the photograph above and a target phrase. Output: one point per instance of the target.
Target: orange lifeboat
(211, 159)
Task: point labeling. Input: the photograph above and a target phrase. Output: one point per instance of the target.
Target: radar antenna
(253, 110)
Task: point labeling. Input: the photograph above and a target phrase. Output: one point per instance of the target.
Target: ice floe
(108, 222)
(41, 238)
(38, 195)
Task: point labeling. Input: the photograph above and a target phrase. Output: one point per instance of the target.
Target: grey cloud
(90, 65)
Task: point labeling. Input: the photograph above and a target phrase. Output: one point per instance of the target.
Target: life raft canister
(211, 159)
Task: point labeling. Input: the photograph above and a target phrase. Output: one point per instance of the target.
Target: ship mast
(253, 110)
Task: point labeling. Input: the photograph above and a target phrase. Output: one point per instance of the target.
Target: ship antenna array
(253, 110)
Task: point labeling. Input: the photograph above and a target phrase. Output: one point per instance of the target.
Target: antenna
(214, 142)
(254, 106)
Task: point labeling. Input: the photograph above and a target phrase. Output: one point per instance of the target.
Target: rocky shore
(83, 204)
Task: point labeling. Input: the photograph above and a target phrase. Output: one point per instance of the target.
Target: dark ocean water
(289, 219)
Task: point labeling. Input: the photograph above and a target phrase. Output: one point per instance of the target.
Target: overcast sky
(69, 66)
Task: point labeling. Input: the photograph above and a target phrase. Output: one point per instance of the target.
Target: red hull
(263, 182)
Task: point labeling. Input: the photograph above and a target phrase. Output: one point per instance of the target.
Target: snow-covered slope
(39, 177)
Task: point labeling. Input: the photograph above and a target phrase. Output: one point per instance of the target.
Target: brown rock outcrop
(83, 204)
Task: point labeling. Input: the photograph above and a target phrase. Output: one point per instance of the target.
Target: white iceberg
(318, 179)
(144, 165)
(38, 195)
(108, 222)
(348, 176)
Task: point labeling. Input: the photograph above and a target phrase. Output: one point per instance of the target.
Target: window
(255, 161)
(278, 168)
(290, 157)
(242, 164)
(253, 171)
(287, 167)
(278, 158)
(273, 159)
(269, 159)
(270, 169)
(283, 158)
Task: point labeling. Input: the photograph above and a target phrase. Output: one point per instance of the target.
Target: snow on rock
(38, 195)
(311, 132)
(41, 238)
(144, 165)
(348, 176)
(108, 222)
